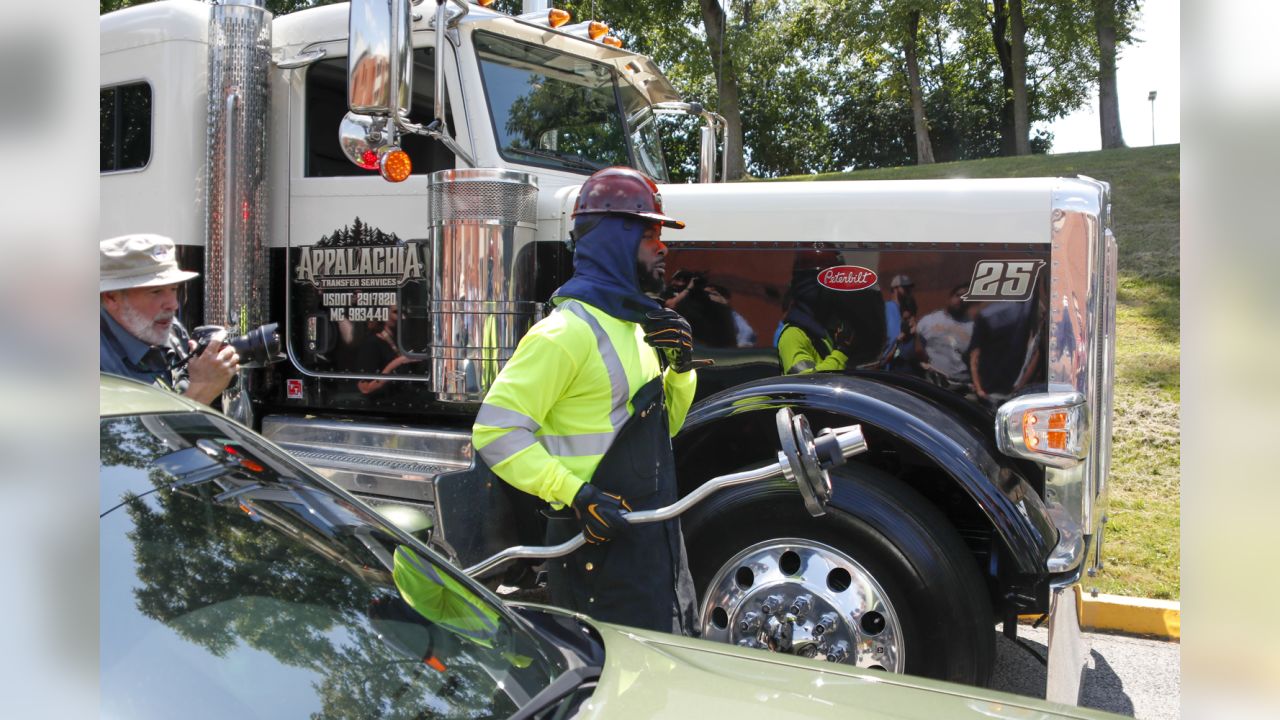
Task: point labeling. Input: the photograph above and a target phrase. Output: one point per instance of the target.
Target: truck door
(358, 254)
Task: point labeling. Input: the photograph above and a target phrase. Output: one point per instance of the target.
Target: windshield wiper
(566, 159)
(559, 689)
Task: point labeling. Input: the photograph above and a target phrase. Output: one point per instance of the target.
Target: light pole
(1152, 97)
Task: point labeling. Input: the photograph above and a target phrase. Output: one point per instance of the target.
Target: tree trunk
(1104, 22)
(924, 148)
(1021, 124)
(713, 19)
(1004, 52)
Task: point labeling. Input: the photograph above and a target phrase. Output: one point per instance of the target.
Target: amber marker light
(596, 30)
(484, 3)
(557, 17)
(395, 165)
(612, 41)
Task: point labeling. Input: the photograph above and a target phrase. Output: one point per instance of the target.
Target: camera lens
(259, 346)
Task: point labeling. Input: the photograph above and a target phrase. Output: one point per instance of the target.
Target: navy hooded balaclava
(604, 267)
(806, 301)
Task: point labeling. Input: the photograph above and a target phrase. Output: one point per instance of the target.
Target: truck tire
(903, 591)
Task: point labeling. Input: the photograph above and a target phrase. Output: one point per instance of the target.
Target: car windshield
(234, 582)
(564, 111)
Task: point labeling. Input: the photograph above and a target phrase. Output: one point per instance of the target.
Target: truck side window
(326, 104)
(124, 127)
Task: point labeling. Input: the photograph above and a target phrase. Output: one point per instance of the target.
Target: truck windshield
(565, 112)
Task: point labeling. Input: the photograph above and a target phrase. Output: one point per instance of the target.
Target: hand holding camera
(211, 369)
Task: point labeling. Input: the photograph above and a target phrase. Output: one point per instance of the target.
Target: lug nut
(838, 652)
(826, 623)
(801, 606)
(772, 604)
(750, 623)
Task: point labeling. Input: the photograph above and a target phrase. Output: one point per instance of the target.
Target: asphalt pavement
(1131, 676)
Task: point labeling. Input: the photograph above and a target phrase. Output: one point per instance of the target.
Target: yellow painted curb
(1135, 616)
(1132, 616)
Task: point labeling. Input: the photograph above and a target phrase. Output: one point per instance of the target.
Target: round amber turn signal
(396, 166)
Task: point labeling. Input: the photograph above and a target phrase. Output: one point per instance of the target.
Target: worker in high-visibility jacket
(805, 344)
(583, 413)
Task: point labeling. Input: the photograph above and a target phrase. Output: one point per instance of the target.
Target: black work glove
(669, 333)
(844, 340)
(600, 514)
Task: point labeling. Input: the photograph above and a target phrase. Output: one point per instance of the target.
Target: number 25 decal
(1003, 280)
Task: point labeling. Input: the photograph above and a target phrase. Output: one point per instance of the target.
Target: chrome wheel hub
(805, 598)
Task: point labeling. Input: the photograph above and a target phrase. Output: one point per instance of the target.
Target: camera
(260, 346)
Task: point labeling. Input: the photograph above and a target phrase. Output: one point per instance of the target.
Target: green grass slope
(1141, 551)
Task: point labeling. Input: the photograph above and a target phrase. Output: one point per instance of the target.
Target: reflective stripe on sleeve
(577, 445)
(506, 446)
(802, 366)
(500, 417)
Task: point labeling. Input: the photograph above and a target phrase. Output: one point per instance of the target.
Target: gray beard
(141, 327)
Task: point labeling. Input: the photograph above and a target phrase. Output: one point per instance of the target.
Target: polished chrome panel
(382, 459)
(379, 57)
(235, 278)
(1081, 335)
(1067, 554)
(1101, 457)
(434, 446)
(1009, 431)
(302, 59)
(482, 228)
(1068, 648)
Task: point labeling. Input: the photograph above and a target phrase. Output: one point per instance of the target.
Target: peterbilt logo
(847, 278)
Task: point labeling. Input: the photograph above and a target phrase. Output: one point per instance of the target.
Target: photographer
(141, 339)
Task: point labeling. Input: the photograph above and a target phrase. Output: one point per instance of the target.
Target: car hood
(649, 674)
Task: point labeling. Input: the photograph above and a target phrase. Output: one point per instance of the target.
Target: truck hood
(649, 674)
(866, 211)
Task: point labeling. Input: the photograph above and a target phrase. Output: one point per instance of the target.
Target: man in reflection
(379, 354)
(900, 325)
(944, 337)
(1003, 357)
(806, 344)
(583, 413)
(707, 311)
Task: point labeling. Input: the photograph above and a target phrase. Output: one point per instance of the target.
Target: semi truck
(392, 183)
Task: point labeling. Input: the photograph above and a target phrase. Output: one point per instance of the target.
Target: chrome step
(380, 459)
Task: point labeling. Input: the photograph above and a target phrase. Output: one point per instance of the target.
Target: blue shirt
(120, 353)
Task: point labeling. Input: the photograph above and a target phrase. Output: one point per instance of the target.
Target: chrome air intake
(482, 228)
(235, 270)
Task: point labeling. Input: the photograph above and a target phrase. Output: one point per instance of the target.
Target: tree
(713, 22)
(1018, 59)
(1113, 24)
(924, 149)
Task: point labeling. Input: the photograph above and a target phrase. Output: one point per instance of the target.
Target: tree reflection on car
(234, 553)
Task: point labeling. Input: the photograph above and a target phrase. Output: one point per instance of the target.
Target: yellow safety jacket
(798, 355)
(558, 404)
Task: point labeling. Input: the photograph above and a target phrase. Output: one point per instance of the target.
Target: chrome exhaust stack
(483, 273)
(235, 261)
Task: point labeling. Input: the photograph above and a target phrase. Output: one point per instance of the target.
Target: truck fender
(732, 429)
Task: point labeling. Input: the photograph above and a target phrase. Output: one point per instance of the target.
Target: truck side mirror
(379, 58)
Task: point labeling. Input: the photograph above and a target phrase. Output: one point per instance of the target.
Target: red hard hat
(621, 190)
